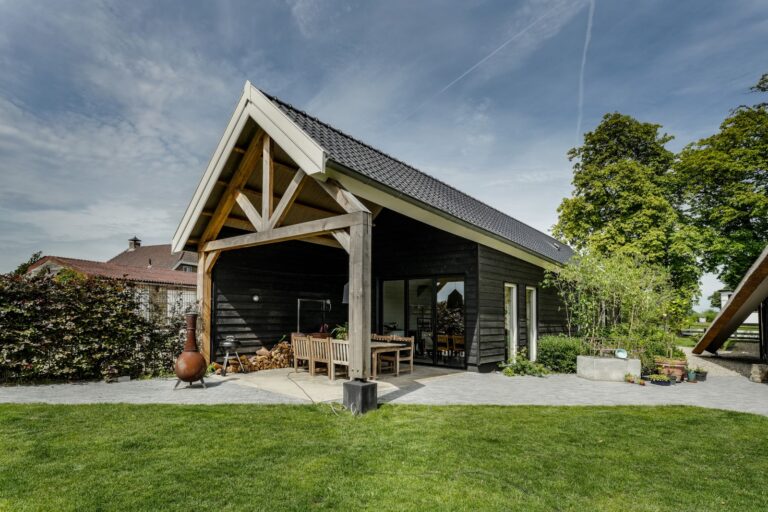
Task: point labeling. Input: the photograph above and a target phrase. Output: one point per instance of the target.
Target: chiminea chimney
(133, 243)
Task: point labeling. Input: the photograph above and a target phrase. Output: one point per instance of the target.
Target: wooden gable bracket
(289, 197)
(234, 188)
(250, 211)
(342, 196)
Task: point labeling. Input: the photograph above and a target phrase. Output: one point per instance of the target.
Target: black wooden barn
(346, 233)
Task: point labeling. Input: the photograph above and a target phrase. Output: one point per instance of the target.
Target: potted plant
(670, 366)
(641, 382)
(341, 332)
(701, 374)
(629, 378)
(691, 372)
(660, 379)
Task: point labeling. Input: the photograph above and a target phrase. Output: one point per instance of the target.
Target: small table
(382, 347)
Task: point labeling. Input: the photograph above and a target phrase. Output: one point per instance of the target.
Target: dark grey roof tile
(397, 175)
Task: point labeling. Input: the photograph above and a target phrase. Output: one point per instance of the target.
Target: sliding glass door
(431, 309)
(450, 322)
(420, 318)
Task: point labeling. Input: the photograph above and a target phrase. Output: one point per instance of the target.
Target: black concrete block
(360, 396)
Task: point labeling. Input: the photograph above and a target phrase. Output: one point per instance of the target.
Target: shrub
(558, 353)
(70, 328)
(601, 293)
(521, 365)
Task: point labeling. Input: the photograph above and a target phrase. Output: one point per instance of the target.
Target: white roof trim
(253, 104)
(412, 209)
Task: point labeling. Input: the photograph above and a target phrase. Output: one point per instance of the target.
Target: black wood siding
(279, 274)
(406, 248)
(495, 269)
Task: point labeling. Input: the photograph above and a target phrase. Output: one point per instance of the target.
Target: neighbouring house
(298, 225)
(155, 272)
(749, 298)
(155, 256)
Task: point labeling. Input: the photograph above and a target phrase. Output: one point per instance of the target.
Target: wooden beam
(250, 211)
(347, 201)
(342, 237)
(239, 179)
(210, 261)
(267, 181)
(255, 197)
(285, 233)
(360, 298)
(321, 240)
(204, 288)
(289, 196)
(239, 150)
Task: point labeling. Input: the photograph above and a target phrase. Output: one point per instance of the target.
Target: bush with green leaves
(558, 353)
(603, 293)
(70, 327)
(521, 365)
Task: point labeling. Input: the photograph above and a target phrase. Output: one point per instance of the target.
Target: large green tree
(624, 201)
(724, 183)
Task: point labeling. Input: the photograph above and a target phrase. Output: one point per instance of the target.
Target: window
(510, 319)
(531, 321)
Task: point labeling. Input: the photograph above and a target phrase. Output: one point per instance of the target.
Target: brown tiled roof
(161, 257)
(126, 272)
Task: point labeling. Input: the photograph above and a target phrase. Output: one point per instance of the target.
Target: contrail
(481, 61)
(587, 39)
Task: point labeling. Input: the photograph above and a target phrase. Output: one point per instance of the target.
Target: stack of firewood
(280, 356)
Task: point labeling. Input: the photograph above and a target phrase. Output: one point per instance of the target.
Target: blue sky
(109, 111)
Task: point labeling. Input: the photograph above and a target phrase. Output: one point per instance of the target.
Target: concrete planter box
(606, 368)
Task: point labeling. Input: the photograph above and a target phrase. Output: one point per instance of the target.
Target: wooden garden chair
(339, 356)
(301, 352)
(458, 344)
(404, 355)
(320, 352)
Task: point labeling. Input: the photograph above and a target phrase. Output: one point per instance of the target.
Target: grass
(166, 457)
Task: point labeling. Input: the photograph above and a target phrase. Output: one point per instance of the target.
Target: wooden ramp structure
(751, 295)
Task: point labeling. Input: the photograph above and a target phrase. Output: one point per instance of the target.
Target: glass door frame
(406, 305)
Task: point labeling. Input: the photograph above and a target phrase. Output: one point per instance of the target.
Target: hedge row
(73, 328)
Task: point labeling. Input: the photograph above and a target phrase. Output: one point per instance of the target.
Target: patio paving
(428, 385)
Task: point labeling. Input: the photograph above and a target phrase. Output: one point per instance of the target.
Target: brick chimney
(133, 243)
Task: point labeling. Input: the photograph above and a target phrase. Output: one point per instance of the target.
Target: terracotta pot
(190, 365)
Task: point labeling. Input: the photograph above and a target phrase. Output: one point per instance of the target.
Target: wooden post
(204, 287)
(762, 319)
(360, 298)
(267, 181)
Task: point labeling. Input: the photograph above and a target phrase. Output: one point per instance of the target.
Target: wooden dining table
(382, 347)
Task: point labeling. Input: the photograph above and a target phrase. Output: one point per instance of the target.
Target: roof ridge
(387, 155)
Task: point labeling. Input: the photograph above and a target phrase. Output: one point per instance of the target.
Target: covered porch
(286, 248)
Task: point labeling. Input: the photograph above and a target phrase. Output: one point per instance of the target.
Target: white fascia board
(410, 208)
(308, 154)
(253, 104)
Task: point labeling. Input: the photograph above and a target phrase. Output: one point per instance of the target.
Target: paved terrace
(427, 386)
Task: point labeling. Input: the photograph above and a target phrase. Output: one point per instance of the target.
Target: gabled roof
(405, 179)
(160, 256)
(115, 271)
(752, 290)
(316, 146)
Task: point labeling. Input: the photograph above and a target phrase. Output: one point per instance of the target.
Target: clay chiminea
(190, 365)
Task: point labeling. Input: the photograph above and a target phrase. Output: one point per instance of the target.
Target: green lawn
(125, 457)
